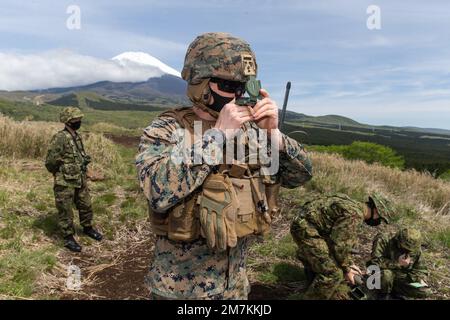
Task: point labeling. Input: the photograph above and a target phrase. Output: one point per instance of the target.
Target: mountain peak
(142, 58)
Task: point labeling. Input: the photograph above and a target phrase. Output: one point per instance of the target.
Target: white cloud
(63, 68)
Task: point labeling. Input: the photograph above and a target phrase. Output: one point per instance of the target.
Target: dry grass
(25, 139)
(332, 173)
(30, 140)
(104, 153)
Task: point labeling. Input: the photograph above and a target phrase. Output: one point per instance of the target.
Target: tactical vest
(72, 171)
(254, 198)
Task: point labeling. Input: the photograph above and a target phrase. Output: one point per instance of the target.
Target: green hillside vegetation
(95, 101)
(33, 262)
(46, 112)
(331, 120)
(336, 121)
(445, 175)
(432, 155)
(328, 120)
(366, 151)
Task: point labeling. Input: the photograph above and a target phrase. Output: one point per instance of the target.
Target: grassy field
(45, 112)
(34, 264)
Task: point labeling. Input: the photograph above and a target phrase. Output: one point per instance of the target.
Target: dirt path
(121, 278)
(124, 280)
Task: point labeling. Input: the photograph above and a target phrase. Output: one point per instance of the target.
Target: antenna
(283, 112)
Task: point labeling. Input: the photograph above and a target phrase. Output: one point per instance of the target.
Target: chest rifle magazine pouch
(183, 224)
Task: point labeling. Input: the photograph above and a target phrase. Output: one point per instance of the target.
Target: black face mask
(371, 221)
(74, 125)
(219, 101)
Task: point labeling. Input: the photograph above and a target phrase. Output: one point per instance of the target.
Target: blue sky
(398, 75)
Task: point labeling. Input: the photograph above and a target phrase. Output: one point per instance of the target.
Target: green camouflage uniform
(66, 161)
(396, 279)
(325, 232)
(191, 270)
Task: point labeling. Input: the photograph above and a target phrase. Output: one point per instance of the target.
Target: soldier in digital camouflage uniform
(67, 161)
(325, 231)
(403, 273)
(203, 214)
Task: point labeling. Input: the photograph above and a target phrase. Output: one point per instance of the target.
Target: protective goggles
(229, 86)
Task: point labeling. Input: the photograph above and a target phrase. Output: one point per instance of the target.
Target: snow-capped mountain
(146, 79)
(131, 58)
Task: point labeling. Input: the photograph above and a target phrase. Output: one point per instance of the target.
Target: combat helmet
(383, 206)
(70, 113)
(409, 239)
(216, 55)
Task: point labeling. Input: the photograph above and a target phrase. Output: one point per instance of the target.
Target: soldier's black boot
(92, 233)
(71, 244)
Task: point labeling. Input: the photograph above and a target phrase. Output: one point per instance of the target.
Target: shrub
(366, 151)
(445, 175)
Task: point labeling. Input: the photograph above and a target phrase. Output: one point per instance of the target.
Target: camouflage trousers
(65, 198)
(325, 276)
(190, 270)
(397, 282)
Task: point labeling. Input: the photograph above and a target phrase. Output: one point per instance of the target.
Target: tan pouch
(158, 222)
(272, 194)
(183, 224)
(245, 222)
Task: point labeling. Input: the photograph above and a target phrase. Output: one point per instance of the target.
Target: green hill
(95, 101)
(130, 119)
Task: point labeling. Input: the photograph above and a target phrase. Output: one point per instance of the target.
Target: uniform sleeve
(418, 270)
(55, 153)
(164, 179)
(379, 247)
(343, 235)
(295, 164)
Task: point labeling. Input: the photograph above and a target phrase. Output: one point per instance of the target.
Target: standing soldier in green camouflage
(399, 258)
(68, 161)
(203, 213)
(325, 231)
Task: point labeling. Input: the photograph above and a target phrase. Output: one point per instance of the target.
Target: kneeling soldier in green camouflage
(67, 161)
(402, 269)
(325, 232)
